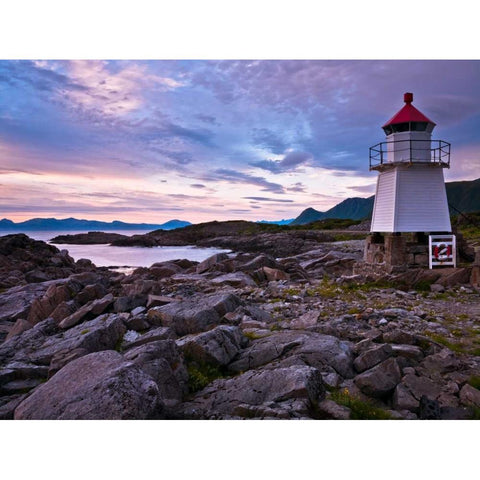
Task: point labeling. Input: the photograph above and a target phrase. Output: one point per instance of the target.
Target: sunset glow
(148, 141)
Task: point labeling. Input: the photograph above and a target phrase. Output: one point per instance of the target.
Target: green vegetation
(359, 409)
(474, 381)
(252, 335)
(83, 332)
(462, 346)
(200, 374)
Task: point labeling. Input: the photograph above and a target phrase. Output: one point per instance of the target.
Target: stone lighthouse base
(394, 253)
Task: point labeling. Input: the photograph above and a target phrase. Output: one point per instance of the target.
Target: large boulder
(163, 361)
(194, 315)
(101, 385)
(211, 262)
(281, 393)
(217, 346)
(372, 357)
(54, 296)
(323, 352)
(90, 309)
(380, 380)
(44, 342)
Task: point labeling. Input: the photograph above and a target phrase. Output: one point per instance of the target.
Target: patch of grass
(200, 374)
(474, 381)
(459, 347)
(291, 291)
(422, 286)
(476, 414)
(359, 409)
(354, 310)
(252, 335)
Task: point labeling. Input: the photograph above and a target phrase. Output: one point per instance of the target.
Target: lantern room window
(405, 127)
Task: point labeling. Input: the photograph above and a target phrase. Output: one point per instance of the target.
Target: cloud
(288, 163)
(266, 199)
(268, 140)
(364, 188)
(297, 187)
(237, 177)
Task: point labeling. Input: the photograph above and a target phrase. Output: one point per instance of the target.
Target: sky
(149, 141)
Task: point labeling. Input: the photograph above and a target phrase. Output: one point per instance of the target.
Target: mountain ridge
(463, 196)
(82, 224)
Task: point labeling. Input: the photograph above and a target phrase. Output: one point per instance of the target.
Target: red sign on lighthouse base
(442, 250)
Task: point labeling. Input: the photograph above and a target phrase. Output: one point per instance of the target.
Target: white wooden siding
(384, 207)
(411, 199)
(421, 200)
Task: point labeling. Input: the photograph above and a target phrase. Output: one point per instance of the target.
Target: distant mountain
(352, 208)
(276, 222)
(86, 225)
(463, 196)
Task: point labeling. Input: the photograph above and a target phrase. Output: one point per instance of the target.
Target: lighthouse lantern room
(410, 196)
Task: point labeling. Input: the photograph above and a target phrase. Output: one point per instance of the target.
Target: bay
(107, 256)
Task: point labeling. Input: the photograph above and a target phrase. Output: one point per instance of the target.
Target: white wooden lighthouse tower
(411, 195)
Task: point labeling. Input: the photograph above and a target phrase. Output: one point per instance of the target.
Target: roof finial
(408, 97)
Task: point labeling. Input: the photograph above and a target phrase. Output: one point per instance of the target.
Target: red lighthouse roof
(408, 113)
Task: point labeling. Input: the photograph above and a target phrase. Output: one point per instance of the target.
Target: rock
(137, 323)
(372, 357)
(380, 380)
(160, 333)
(194, 315)
(408, 351)
(323, 352)
(16, 302)
(236, 279)
(308, 319)
(211, 262)
(97, 386)
(470, 395)
(428, 409)
(274, 274)
(399, 336)
(93, 308)
(19, 327)
(91, 292)
(404, 400)
(259, 262)
(217, 346)
(164, 270)
(65, 309)
(62, 357)
(163, 362)
(8, 404)
(127, 303)
(421, 386)
(42, 342)
(437, 288)
(441, 362)
(328, 409)
(259, 388)
(55, 295)
(158, 300)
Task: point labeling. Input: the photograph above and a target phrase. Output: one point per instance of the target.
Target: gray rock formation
(101, 385)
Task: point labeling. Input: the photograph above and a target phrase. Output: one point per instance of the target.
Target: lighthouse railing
(410, 151)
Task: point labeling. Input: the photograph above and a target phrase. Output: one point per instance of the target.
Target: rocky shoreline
(284, 330)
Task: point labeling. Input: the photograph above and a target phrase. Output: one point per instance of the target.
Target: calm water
(107, 256)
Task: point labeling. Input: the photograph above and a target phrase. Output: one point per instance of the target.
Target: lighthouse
(411, 195)
(411, 207)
